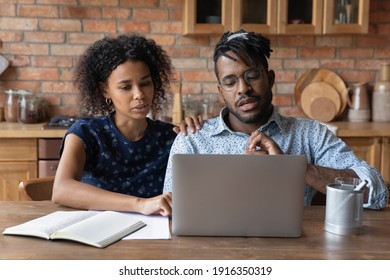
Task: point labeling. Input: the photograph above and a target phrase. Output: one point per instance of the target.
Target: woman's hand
(194, 123)
(159, 205)
(260, 143)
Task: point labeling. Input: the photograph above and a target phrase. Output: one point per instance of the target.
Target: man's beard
(261, 115)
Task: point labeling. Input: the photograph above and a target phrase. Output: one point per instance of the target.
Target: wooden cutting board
(321, 75)
(323, 109)
(317, 93)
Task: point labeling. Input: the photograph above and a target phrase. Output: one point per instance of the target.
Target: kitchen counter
(345, 129)
(19, 130)
(363, 129)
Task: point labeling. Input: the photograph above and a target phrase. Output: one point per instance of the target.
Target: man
(250, 124)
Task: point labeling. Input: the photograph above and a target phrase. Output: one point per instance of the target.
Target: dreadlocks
(251, 47)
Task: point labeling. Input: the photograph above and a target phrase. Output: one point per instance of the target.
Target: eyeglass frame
(245, 77)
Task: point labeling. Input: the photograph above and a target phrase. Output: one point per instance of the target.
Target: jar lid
(18, 91)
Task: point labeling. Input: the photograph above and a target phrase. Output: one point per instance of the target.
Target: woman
(116, 160)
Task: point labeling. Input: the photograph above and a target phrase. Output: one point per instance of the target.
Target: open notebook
(238, 195)
(94, 228)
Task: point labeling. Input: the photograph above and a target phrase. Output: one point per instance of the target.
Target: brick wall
(43, 38)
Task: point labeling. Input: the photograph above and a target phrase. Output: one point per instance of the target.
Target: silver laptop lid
(238, 195)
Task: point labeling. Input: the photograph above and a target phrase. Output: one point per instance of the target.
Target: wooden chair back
(36, 189)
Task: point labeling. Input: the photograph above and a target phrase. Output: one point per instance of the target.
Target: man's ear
(271, 78)
(219, 89)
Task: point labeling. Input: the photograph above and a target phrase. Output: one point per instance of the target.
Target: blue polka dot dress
(116, 164)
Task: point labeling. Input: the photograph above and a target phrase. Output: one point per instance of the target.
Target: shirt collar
(221, 125)
(275, 118)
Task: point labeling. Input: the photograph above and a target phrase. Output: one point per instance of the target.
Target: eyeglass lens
(251, 77)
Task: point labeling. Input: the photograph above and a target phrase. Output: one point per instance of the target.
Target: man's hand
(259, 143)
(194, 123)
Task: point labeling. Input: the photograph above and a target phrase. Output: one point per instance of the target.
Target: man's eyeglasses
(251, 76)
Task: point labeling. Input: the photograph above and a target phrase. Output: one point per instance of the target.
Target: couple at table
(116, 158)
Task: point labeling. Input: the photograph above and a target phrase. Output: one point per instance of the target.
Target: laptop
(238, 195)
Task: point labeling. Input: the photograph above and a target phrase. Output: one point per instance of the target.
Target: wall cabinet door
(11, 174)
(207, 16)
(323, 16)
(276, 16)
(300, 16)
(255, 15)
(346, 16)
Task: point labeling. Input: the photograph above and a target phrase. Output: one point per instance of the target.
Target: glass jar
(190, 103)
(42, 109)
(28, 108)
(2, 101)
(165, 112)
(381, 95)
(11, 106)
(210, 106)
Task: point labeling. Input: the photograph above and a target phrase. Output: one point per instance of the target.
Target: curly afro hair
(102, 57)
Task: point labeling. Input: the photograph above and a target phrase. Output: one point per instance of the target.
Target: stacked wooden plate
(321, 94)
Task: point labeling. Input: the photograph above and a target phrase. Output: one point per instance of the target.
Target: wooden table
(315, 243)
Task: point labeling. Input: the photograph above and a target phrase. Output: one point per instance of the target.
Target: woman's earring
(108, 101)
